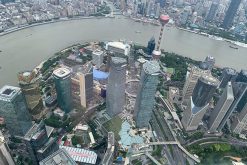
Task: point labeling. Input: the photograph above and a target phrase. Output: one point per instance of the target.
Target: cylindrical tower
(164, 19)
(62, 79)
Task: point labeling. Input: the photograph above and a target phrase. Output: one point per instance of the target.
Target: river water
(24, 49)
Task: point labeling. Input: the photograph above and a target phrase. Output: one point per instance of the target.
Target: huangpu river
(24, 49)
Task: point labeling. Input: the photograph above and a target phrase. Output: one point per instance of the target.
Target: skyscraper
(13, 108)
(191, 79)
(151, 45)
(228, 74)
(202, 94)
(115, 94)
(162, 3)
(242, 76)
(5, 156)
(240, 122)
(210, 61)
(98, 57)
(230, 14)
(221, 108)
(39, 143)
(86, 84)
(212, 11)
(146, 93)
(62, 79)
(240, 98)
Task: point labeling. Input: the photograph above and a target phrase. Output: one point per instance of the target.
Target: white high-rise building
(221, 108)
(98, 57)
(193, 75)
(5, 157)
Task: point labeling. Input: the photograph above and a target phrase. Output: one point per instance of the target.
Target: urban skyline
(112, 101)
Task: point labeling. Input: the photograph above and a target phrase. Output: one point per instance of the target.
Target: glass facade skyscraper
(146, 93)
(62, 79)
(13, 108)
(230, 14)
(39, 144)
(221, 108)
(202, 94)
(115, 94)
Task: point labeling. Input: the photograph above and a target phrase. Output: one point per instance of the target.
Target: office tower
(5, 157)
(13, 108)
(157, 11)
(210, 61)
(228, 74)
(164, 19)
(242, 76)
(115, 94)
(60, 157)
(212, 11)
(109, 154)
(82, 85)
(221, 108)
(162, 3)
(146, 93)
(204, 65)
(230, 13)
(39, 143)
(240, 121)
(86, 84)
(240, 98)
(62, 79)
(202, 94)
(98, 57)
(193, 75)
(118, 49)
(151, 46)
(6, 1)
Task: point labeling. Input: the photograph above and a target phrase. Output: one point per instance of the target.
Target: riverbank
(15, 29)
(215, 37)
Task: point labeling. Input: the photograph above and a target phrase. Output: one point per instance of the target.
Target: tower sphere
(164, 19)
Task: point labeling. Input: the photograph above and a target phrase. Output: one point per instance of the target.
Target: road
(177, 154)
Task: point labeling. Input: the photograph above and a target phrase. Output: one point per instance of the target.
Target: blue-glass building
(230, 13)
(13, 108)
(62, 79)
(151, 46)
(146, 93)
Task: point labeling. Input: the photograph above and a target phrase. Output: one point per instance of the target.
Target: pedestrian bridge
(174, 143)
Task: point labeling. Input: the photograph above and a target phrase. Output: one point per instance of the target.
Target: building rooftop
(208, 79)
(61, 72)
(81, 155)
(7, 93)
(98, 52)
(60, 157)
(156, 53)
(151, 67)
(99, 75)
(118, 60)
(230, 71)
(119, 45)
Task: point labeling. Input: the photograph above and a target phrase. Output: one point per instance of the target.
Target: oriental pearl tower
(164, 19)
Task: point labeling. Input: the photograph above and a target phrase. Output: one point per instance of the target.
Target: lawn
(114, 125)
